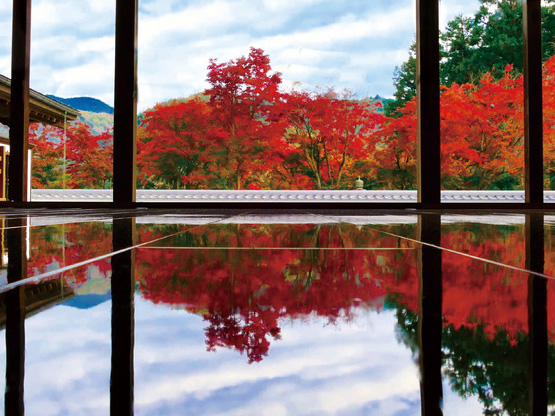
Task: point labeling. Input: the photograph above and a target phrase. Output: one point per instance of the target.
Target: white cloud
(452, 8)
(90, 18)
(314, 369)
(353, 45)
(284, 6)
(298, 54)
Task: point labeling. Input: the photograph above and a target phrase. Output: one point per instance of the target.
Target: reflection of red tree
(61, 245)
(248, 336)
(478, 293)
(242, 294)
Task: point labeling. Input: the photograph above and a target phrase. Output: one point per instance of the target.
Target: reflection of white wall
(351, 368)
(187, 219)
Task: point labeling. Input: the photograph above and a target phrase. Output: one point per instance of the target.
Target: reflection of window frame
(428, 142)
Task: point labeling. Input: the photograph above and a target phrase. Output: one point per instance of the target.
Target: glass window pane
(288, 96)
(72, 62)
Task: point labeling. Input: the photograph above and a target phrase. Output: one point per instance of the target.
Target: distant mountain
(87, 301)
(85, 104)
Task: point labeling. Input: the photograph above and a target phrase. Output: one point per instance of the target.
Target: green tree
(489, 41)
(471, 46)
(404, 79)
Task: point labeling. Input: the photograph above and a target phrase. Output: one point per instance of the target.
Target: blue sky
(346, 44)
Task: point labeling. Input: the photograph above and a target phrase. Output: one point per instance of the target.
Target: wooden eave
(41, 108)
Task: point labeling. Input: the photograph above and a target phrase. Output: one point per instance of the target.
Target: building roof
(41, 108)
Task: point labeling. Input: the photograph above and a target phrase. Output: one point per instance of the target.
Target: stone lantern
(359, 183)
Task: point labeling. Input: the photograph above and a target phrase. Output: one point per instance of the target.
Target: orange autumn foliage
(481, 135)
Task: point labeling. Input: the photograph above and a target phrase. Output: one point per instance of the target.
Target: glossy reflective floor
(154, 312)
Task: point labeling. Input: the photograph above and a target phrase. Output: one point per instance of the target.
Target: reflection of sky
(354, 368)
(67, 361)
(315, 369)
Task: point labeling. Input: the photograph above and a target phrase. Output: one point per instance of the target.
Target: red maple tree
(88, 157)
(242, 95)
(329, 137)
(173, 139)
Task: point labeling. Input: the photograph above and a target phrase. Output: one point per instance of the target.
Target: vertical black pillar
(123, 325)
(533, 131)
(19, 113)
(16, 238)
(537, 315)
(125, 102)
(429, 315)
(427, 86)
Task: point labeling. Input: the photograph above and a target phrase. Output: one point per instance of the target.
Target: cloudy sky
(349, 368)
(347, 44)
